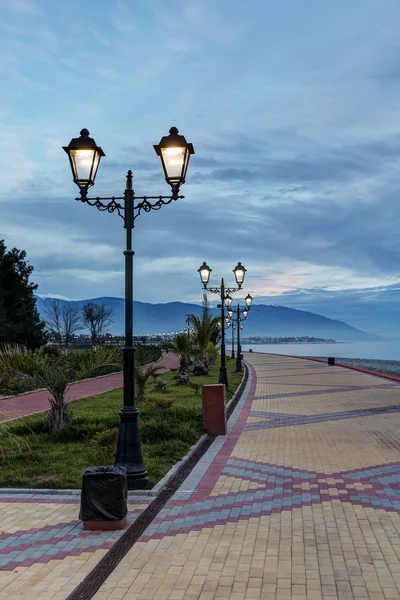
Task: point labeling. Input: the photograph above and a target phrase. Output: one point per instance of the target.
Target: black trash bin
(331, 360)
(104, 498)
(250, 349)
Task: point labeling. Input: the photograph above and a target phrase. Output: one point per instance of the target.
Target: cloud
(25, 7)
(292, 110)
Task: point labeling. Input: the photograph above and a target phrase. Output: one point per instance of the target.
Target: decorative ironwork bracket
(228, 291)
(145, 205)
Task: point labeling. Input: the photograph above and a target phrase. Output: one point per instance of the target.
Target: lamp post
(84, 156)
(230, 313)
(226, 300)
(239, 312)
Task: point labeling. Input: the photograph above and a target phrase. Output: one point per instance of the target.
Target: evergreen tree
(19, 319)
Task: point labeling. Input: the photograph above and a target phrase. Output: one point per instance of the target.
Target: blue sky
(293, 110)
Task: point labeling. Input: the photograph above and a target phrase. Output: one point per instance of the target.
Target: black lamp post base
(239, 368)
(129, 453)
(232, 355)
(138, 482)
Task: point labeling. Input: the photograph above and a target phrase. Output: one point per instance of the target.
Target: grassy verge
(30, 457)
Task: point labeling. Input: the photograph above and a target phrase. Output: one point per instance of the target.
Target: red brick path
(28, 404)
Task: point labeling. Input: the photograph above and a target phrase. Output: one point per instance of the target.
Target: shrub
(160, 402)
(51, 350)
(107, 440)
(147, 354)
(142, 376)
(161, 386)
(156, 430)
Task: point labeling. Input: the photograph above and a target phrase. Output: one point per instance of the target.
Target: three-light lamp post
(236, 316)
(84, 156)
(225, 294)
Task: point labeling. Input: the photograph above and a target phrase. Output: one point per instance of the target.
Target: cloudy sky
(294, 112)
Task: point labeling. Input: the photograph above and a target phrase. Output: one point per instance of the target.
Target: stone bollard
(214, 409)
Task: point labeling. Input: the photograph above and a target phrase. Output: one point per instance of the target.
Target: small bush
(70, 433)
(34, 426)
(147, 354)
(160, 402)
(11, 385)
(161, 386)
(156, 430)
(107, 440)
(51, 350)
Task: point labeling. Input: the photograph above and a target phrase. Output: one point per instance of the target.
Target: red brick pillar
(214, 409)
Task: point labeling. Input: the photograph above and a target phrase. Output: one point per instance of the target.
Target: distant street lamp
(233, 341)
(237, 319)
(226, 300)
(84, 156)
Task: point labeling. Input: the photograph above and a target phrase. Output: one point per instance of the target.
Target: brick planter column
(214, 409)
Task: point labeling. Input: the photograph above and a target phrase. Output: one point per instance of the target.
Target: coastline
(388, 367)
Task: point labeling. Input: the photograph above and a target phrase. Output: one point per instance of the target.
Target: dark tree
(64, 320)
(96, 317)
(19, 319)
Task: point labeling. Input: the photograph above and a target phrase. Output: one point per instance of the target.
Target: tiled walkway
(28, 404)
(300, 501)
(44, 551)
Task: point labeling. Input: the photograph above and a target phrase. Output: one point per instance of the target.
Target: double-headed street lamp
(84, 156)
(226, 300)
(237, 320)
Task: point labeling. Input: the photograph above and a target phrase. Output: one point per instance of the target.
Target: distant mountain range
(263, 320)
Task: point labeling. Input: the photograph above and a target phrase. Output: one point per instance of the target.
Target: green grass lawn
(30, 457)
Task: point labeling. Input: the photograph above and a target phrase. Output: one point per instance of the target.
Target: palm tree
(183, 346)
(206, 332)
(57, 374)
(141, 379)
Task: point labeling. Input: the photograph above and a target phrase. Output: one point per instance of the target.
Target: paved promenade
(300, 501)
(28, 404)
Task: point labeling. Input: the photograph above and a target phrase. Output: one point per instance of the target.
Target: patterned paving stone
(301, 500)
(39, 530)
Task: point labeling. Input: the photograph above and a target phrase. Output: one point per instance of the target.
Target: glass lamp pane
(239, 272)
(228, 301)
(83, 161)
(248, 300)
(173, 159)
(204, 273)
(96, 162)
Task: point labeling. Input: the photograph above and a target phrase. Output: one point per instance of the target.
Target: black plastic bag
(104, 494)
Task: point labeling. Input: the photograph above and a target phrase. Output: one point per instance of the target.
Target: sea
(382, 350)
